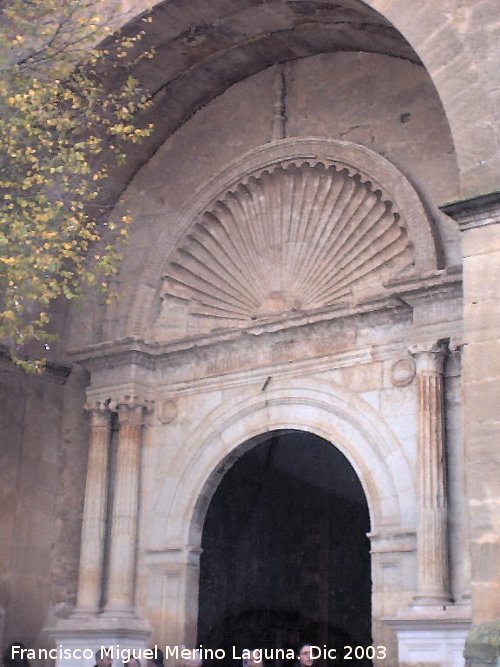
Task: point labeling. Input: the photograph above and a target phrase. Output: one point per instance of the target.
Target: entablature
(418, 310)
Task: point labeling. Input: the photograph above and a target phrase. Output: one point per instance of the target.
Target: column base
(84, 612)
(118, 612)
(78, 638)
(432, 600)
(432, 636)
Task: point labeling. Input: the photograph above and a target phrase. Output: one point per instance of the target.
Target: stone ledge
(476, 212)
(53, 372)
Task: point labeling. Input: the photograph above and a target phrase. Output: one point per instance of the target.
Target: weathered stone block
(483, 361)
(482, 276)
(480, 241)
(482, 400)
(363, 378)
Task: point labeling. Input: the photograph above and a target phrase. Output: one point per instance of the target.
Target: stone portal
(285, 553)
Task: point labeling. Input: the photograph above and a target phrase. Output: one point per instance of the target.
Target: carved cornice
(428, 283)
(477, 212)
(132, 351)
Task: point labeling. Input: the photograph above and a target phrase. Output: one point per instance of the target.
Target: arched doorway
(285, 554)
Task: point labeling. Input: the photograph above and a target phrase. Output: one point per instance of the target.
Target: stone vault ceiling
(201, 48)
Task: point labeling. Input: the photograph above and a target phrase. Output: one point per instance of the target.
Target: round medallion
(167, 411)
(403, 372)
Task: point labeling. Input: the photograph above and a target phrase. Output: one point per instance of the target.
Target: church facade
(315, 251)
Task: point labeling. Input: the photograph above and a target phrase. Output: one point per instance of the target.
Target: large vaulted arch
(203, 48)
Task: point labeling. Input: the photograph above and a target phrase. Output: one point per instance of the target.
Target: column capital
(456, 345)
(131, 409)
(130, 414)
(97, 405)
(99, 412)
(130, 401)
(429, 356)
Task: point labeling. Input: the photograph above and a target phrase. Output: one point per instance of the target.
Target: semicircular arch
(336, 415)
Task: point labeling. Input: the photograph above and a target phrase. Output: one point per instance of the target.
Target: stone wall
(42, 465)
(30, 426)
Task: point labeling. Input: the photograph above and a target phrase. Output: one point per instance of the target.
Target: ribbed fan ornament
(295, 238)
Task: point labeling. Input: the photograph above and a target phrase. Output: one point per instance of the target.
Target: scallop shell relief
(297, 238)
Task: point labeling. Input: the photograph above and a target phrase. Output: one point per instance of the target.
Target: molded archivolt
(295, 238)
(333, 413)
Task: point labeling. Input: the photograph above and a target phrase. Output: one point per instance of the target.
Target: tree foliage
(61, 132)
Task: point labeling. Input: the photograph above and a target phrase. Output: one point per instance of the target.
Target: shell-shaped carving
(297, 238)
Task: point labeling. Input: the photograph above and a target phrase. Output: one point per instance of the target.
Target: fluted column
(121, 569)
(432, 542)
(94, 512)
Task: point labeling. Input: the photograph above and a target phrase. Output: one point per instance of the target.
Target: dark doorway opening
(285, 555)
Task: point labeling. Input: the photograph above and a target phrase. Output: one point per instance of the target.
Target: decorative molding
(134, 352)
(130, 414)
(237, 359)
(477, 212)
(360, 166)
(392, 542)
(296, 368)
(171, 557)
(295, 239)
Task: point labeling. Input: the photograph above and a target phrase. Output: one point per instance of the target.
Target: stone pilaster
(479, 221)
(460, 583)
(94, 512)
(121, 569)
(432, 544)
(173, 601)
